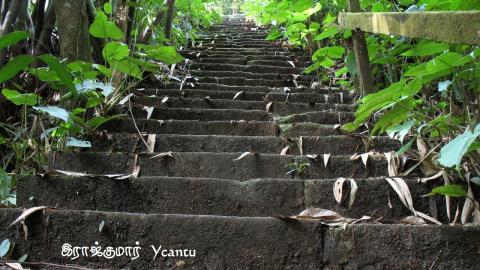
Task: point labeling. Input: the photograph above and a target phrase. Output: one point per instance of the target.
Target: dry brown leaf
(468, 205)
(326, 158)
(300, 145)
(268, 107)
(125, 99)
(312, 156)
(15, 266)
(354, 157)
(427, 165)
(365, 158)
(164, 154)
(242, 156)
(341, 97)
(446, 179)
(151, 142)
(238, 94)
(319, 213)
(136, 167)
(284, 150)
(437, 175)
(149, 111)
(412, 220)
(427, 217)
(401, 192)
(353, 193)
(338, 189)
(393, 163)
(26, 213)
(165, 99)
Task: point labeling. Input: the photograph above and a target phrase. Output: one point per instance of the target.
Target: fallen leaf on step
(291, 63)
(401, 188)
(337, 126)
(136, 168)
(284, 150)
(412, 220)
(365, 158)
(151, 142)
(321, 214)
(393, 163)
(326, 157)
(435, 176)
(149, 111)
(26, 213)
(238, 94)
(165, 99)
(338, 189)
(353, 193)
(161, 122)
(354, 157)
(125, 99)
(242, 156)
(341, 97)
(312, 156)
(300, 145)
(164, 154)
(15, 266)
(269, 105)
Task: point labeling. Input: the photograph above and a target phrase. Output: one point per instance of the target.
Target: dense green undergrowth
(51, 103)
(428, 93)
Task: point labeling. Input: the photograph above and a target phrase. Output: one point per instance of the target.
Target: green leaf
(426, 48)
(400, 131)
(2, 140)
(18, 98)
(107, 7)
(4, 247)
(54, 111)
(115, 51)
(329, 32)
(88, 85)
(97, 121)
(165, 54)
(334, 52)
(12, 38)
(14, 66)
(128, 67)
(102, 28)
(404, 148)
(72, 142)
(62, 72)
(452, 153)
(449, 190)
(398, 114)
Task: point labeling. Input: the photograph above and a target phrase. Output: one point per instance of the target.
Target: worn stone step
(139, 112)
(321, 117)
(338, 145)
(341, 97)
(219, 165)
(247, 68)
(207, 196)
(208, 54)
(219, 242)
(198, 93)
(277, 108)
(249, 75)
(308, 129)
(193, 127)
(238, 81)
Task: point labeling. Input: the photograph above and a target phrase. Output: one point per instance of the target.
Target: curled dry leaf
(412, 220)
(164, 154)
(26, 213)
(393, 163)
(242, 156)
(238, 94)
(435, 176)
(365, 158)
(291, 63)
(312, 156)
(79, 174)
(125, 99)
(268, 107)
(325, 216)
(151, 142)
(284, 150)
(338, 189)
(15, 266)
(326, 157)
(353, 193)
(149, 111)
(337, 126)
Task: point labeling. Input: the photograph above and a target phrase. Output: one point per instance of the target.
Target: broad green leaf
(274, 34)
(449, 190)
(4, 247)
(426, 48)
(104, 70)
(400, 131)
(102, 28)
(14, 66)
(18, 98)
(107, 7)
(398, 114)
(452, 153)
(88, 85)
(97, 121)
(404, 148)
(165, 54)
(12, 39)
(115, 51)
(54, 111)
(62, 72)
(334, 52)
(72, 142)
(329, 32)
(128, 67)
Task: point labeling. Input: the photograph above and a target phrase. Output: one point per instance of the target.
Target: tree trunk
(170, 13)
(130, 23)
(38, 17)
(147, 34)
(44, 39)
(97, 43)
(121, 15)
(10, 17)
(72, 24)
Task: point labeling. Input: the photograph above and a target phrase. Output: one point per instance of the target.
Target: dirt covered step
(217, 242)
(207, 196)
(338, 145)
(235, 166)
(193, 127)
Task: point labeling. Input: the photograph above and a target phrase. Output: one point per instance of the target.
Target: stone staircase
(198, 190)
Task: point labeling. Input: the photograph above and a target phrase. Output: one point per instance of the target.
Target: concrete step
(239, 81)
(219, 165)
(338, 144)
(249, 75)
(247, 68)
(198, 93)
(236, 242)
(207, 196)
(193, 127)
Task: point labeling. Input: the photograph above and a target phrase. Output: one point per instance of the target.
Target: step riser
(248, 75)
(201, 196)
(196, 93)
(201, 114)
(247, 68)
(208, 165)
(187, 127)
